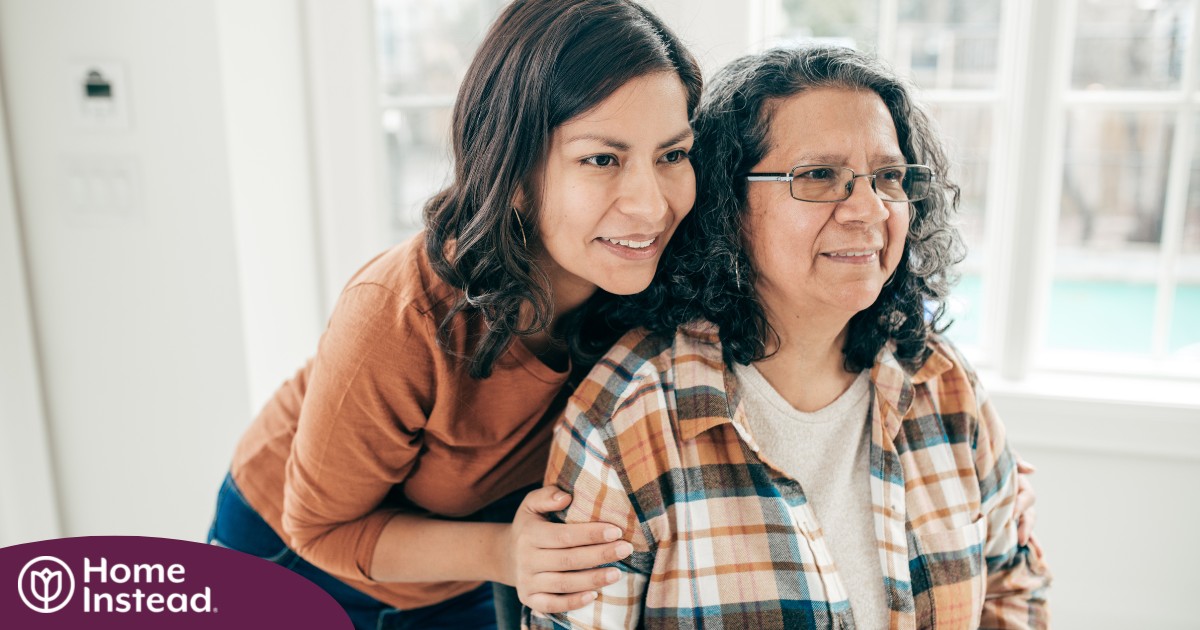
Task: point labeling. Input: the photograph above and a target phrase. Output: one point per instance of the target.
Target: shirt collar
(895, 382)
(704, 386)
(702, 395)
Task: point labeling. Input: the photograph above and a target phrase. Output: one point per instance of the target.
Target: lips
(630, 243)
(639, 240)
(632, 246)
(852, 254)
(856, 256)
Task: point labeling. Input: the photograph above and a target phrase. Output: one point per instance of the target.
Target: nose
(642, 194)
(863, 205)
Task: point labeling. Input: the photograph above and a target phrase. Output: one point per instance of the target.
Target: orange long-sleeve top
(382, 420)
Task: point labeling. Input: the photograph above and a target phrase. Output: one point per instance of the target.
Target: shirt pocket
(953, 564)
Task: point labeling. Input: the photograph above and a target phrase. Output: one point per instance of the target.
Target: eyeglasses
(822, 182)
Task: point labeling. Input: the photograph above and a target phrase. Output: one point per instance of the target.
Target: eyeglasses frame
(789, 177)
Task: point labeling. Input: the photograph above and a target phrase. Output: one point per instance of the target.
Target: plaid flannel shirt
(654, 440)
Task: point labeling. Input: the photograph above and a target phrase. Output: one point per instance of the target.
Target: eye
(601, 161)
(893, 175)
(676, 156)
(818, 174)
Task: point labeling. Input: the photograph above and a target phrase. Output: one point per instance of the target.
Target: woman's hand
(1026, 498)
(552, 565)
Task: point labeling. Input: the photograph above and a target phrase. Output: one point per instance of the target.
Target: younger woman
(433, 391)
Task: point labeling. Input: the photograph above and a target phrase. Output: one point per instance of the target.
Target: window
(1124, 260)
(423, 51)
(1071, 128)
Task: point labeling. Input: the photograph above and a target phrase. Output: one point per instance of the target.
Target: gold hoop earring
(521, 225)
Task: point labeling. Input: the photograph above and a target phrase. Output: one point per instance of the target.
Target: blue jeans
(508, 605)
(237, 526)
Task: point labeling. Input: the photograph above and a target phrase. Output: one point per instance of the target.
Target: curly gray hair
(706, 273)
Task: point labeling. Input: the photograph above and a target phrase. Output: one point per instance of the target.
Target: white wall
(1117, 502)
(269, 160)
(1119, 533)
(28, 498)
(160, 327)
(348, 160)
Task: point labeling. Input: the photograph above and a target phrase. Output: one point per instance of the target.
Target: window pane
(853, 23)
(967, 131)
(947, 44)
(1114, 180)
(1109, 230)
(1131, 45)
(943, 44)
(1107, 315)
(418, 162)
(1184, 339)
(965, 308)
(425, 47)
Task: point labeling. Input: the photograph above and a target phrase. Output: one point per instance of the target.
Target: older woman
(788, 441)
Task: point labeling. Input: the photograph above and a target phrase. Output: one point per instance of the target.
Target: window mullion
(758, 24)
(1042, 48)
(995, 219)
(1172, 228)
(888, 14)
(1175, 210)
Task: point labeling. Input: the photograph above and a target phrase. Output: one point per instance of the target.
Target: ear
(525, 196)
(520, 201)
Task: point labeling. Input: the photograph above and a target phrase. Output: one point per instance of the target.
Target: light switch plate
(102, 189)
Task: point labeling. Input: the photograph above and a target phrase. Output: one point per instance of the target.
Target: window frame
(1040, 37)
(1031, 99)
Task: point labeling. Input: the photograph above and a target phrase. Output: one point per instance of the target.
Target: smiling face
(615, 183)
(816, 260)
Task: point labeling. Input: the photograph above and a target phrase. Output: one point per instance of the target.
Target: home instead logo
(136, 582)
(41, 584)
(42, 580)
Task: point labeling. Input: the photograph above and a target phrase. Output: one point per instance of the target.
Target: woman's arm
(360, 433)
(581, 463)
(552, 565)
(1026, 498)
(1018, 579)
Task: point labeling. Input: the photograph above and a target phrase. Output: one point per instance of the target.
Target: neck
(567, 293)
(807, 366)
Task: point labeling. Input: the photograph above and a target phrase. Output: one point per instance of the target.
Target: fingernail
(624, 549)
(612, 575)
(560, 495)
(612, 533)
(589, 596)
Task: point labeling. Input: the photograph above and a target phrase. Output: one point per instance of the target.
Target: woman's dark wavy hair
(706, 273)
(542, 63)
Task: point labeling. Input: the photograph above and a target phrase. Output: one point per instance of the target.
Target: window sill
(1129, 415)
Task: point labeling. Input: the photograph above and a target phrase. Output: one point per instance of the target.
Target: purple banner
(136, 582)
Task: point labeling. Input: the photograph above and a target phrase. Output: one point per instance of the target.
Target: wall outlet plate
(99, 95)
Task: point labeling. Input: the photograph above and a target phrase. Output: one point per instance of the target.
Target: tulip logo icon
(41, 584)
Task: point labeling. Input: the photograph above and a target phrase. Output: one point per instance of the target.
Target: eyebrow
(624, 146)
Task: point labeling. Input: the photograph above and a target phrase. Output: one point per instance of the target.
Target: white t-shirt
(828, 452)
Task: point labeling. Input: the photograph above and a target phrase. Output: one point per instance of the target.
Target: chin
(627, 285)
(859, 300)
